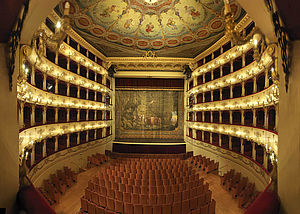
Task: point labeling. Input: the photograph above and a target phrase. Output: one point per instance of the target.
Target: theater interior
(150, 106)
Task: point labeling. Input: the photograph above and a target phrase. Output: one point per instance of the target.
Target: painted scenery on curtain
(146, 113)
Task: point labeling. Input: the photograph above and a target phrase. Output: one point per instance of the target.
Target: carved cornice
(149, 63)
(266, 138)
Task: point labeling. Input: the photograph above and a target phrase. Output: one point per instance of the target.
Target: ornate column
(243, 89)
(21, 115)
(68, 115)
(230, 116)
(220, 116)
(78, 115)
(266, 119)
(56, 57)
(32, 119)
(87, 115)
(78, 92)
(32, 159)
(32, 81)
(95, 134)
(221, 95)
(242, 146)
(68, 89)
(243, 117)
(68, 140)
(276, 116)
(78, 138)
(44, 148)
(210, 138)
(87, 94)
(78, 68)
(56, 114)
(221, 71)
(266, 79)
(243, 60)
(56, 144)
(230, 142)
(254, 85)
(56, 86)
(104, 79)
(265, 159)
(231, 91)
(220, 140)
(253, 151)
(44, 81)
(194, 133)
(211, 117)
(68, 63)
(254, 117)
(104, 131)
(212, 95)
(95, 115)
(231, 66)
(44, 114)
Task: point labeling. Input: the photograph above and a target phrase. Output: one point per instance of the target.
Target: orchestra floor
(70, 201)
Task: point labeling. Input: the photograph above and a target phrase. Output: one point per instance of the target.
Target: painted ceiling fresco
(181, 28)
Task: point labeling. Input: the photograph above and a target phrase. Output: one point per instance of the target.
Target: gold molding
(30, 136)
(267, 97)
(267, 139)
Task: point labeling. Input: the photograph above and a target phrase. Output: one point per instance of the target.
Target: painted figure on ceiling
(171, 24)
(128, 23)
(149, 27)
(108, 10)
(192, 11)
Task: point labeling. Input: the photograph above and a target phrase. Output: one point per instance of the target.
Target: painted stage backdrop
(144, 114)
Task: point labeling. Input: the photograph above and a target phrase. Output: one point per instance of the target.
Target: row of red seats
(57, 184)
(192, 192)
(197, 205)
(149, 189)
(240, 187)
(204, 163)
(154, 180)
(182, 194)
(149, 160)
(133, 167)
(96, 160)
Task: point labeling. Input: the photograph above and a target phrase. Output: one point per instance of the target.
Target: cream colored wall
(9, 162)
(289, 137)
(74, 158)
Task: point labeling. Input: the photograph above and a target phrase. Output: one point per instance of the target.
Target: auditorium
(149, 107)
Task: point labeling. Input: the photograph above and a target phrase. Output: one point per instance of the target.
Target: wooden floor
(70, 201)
